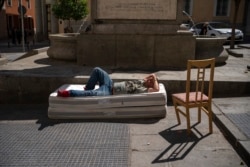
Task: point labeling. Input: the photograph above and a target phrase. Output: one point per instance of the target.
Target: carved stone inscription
(137, 9)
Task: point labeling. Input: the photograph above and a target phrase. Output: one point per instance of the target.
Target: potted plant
(70, 10)
(63, 46)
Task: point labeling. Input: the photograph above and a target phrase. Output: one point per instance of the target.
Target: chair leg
(178, 116)
(199, 114)
(176, 111)
(188, 121)
(210, 119)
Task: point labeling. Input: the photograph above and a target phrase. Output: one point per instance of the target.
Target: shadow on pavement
(39, 113)
(180, 144)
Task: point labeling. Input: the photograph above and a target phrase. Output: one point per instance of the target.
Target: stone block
(135, 28)
(135, 51)
(63, 46)
(173, 51)
(96, 50)
(140, 51)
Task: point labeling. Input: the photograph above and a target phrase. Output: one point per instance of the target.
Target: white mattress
(114, 106)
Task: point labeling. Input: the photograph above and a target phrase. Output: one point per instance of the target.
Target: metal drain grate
(66, 144)
(242, 121)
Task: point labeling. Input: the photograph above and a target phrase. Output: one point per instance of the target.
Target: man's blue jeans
(97, 76)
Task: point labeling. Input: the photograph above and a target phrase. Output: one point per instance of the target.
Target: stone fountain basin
(210, 47)
(63, 46)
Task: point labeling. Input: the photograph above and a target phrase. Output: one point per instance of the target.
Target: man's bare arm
(155, 84)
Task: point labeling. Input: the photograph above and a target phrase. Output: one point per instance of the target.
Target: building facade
(11, 18)
(39, 16)
(219, 10)
(200, 10)
(46, 21)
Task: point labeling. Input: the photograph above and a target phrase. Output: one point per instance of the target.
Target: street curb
(236, 138)
(234, 53)
(247, 46)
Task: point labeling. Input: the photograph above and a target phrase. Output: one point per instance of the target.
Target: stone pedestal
(140, 51)
(63, 46)
(136, 34)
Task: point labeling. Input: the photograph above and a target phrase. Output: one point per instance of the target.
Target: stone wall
(136, 51)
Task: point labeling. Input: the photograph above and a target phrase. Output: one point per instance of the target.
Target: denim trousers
(98, 76)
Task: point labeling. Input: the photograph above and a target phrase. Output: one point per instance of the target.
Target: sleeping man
(107, 87)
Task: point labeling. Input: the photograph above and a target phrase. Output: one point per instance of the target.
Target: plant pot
(210, 47)
(63, 46)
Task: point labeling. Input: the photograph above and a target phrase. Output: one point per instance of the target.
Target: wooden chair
(198, 93)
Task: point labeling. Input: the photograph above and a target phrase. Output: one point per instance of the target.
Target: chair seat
(192, 97)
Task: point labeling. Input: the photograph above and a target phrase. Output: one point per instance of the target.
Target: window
(188, 5)
(222, 7)
(9, 2)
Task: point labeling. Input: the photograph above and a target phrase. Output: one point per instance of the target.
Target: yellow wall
(203, 10)
(241, 12)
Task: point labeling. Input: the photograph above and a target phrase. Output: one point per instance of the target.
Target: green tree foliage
(70, 9)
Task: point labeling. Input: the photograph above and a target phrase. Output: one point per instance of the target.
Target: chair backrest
(199, 72)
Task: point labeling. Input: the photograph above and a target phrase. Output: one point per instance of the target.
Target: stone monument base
(136, 51)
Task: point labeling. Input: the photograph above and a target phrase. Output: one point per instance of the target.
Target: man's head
(149, 83)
